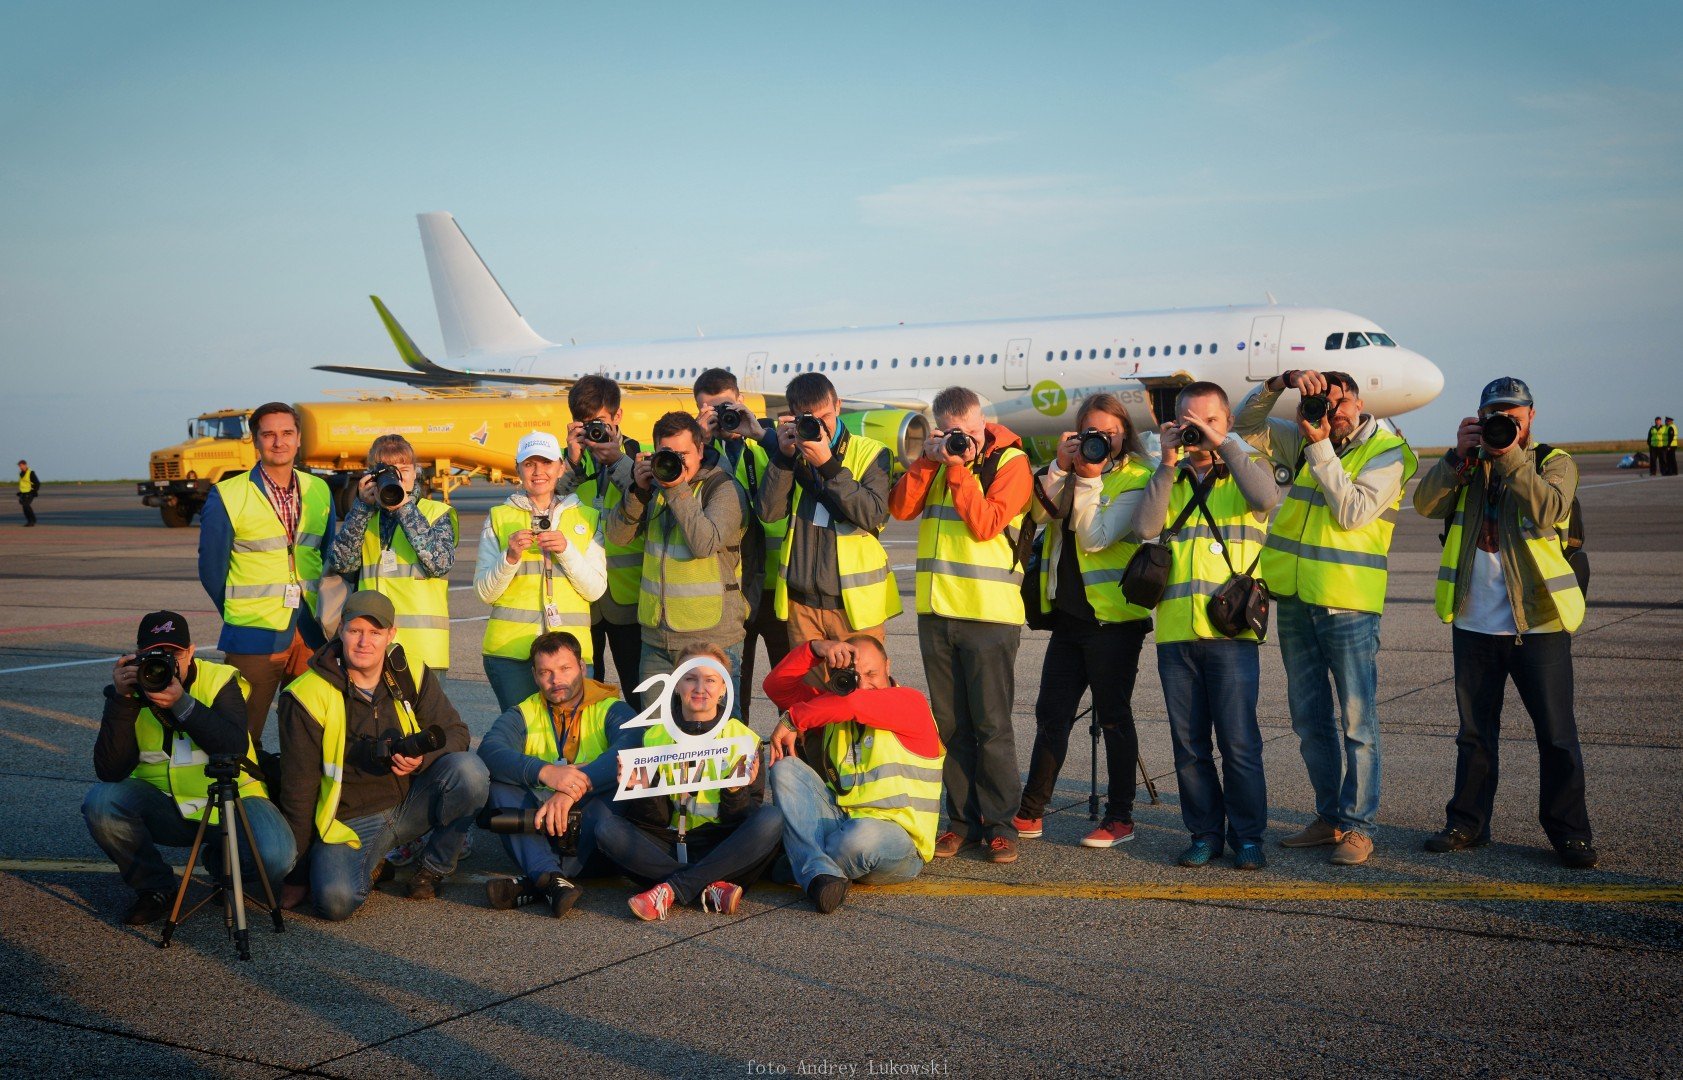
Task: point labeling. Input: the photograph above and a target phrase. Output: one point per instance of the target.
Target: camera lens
(1095, 446)
(728, 417)
(808, 428)
(597, 431)
(667, 464)
(154, 669)
(1191, 437)
(1314, 408)
(389, 487)
(957, 443)
(843, 680)
(1499, 430)
(541, 523)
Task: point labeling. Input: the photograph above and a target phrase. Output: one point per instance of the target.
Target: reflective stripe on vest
(1542, 546)
(1197, 572)
(540, 731)
(1308, 556)
(517, 616)
(876, 776)
(260, 566)
(1656, 436)
(176, 766)
(625, 561)
(1101, 571)
(679, 590)
(870, 595)
(422, 603)
(704, 805)
(775, 531)
(959, 576)
(326, 705)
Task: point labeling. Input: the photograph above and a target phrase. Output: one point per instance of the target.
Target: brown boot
(1353, 850)
(1317, 834)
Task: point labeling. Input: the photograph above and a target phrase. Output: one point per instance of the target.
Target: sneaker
(1317, 834)
(1353, 850)
(507, 893)
(404, 854)
(559, 893)
(1248, 856)
(721, 896)
(827, 892)
(1109, 834)
(1577, 855)
(1028, 828)
(1002, 850)
(424, 885)
(948, 844)
(148, 907)
(1454, 838)
(1198, 853)
(653, 905)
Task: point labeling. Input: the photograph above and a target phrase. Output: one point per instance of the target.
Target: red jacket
(985, 513)
(899, 709)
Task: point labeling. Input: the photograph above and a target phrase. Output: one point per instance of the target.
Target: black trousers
(971, 669)
(1668, 461)
(28, 504)
(766, 626)
(626, 643)
(1540, 666)
(1107, 658)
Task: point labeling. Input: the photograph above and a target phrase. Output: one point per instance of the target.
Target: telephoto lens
(1190, 437)
(154, 669)
(419, 744)
(1095, 446)
(808, 428)
(1499, 430)
(526, 821)
(728, 417)
(842, 680)
(1314, 408)
(388, 487)
(957, 443)
(597, 431)
(667, 464)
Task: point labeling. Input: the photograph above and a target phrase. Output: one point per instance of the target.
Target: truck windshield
(221, 427)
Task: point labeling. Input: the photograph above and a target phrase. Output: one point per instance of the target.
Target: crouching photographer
(862, 800)
(166, 715)
(548, 756)
(372, 757)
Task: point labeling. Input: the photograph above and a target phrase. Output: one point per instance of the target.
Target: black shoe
(148, 907)
(424, 885)
(384, 870)
(1578, 855)
(560, 893)
(1454, 838)
(507, 893)
(827, 892)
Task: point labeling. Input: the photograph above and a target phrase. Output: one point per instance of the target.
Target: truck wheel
(344, 497)
(177, 515)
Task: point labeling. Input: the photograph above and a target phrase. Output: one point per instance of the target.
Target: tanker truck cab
(218, 445)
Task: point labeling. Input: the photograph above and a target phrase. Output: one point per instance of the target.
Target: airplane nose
(1411, 381)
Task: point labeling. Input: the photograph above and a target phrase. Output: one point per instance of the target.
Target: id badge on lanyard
(388, 562)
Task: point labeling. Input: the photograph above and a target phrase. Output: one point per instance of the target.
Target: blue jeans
(735, 853)
(820, 837)
(130, 818)
(1341, 752)
(443, 799)
(535, 853)
(511, 680)
(1211, 686)
(664, 662)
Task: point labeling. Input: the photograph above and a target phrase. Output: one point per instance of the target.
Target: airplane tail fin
(474, 313)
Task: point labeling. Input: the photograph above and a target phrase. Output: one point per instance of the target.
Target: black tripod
(224, 799)
(1095, 731)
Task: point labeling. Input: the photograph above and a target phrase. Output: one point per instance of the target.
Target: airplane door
(523, 366)
(754, 380)
(1016, 364)
(1265, 346)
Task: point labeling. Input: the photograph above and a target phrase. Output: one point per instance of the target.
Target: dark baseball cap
(374, 606)
(1505, 391)
(163, 628)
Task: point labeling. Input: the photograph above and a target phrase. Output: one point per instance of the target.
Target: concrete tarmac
(1495, 962)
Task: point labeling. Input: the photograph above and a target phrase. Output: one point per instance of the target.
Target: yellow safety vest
(1198, 569)
(262, 564)
(1656, 436)
(870, 594)
(775, 531)
(26, 482)
(1101, 571)
(959, 576)
(173, 763)
(326, 705)
(517, 616)
(422, 603)
(1308, 556)
(1542, 547)
(540, 730)
(625, 561)
(704, 805)
(877, 777)
(679, 590)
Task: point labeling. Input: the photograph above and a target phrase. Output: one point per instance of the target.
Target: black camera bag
(1146, 577)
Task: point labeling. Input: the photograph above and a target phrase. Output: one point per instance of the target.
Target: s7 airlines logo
(1049, 398)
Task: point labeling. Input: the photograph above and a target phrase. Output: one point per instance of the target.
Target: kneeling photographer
(861, 792)
(166, 715)
(371, 757)
(548, 756)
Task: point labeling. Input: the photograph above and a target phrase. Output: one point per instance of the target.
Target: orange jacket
(985, 513)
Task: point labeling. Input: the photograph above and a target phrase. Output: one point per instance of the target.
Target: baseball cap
(538, 444)
(163, 628)
(1505, 391)
(374, 606)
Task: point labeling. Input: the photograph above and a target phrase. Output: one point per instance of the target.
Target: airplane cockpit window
(1334, 341)
(1381, 339)
(1355, 339)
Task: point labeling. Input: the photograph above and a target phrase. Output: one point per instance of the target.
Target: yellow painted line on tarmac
(1302, 891)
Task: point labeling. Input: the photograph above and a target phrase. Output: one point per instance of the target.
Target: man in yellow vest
(262, 535)
(407, 554)
(372, 755)
(1656, 446)
(856, 772)
(1211, 514)
(971, 490)
(1505, 586)
(1668, 466)
(552, 753)
(29, 486)
(1326, 561)
(150, 757)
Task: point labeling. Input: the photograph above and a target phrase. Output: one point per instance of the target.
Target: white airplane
(1029, 373)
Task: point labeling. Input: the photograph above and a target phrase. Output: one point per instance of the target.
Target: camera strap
(1221, 537)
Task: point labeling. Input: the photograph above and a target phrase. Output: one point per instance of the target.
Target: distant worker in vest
(373, 755)
(408, 552)
(856, 769)
(553, 753)
(690, 517)
(1211, 511)
(150, 756)
(1656, 446)
(1513, 601)
(29, 486)
(598, 472)
(262, 535)
(701, 847)
(734, 442)
(541, 563)
(1086, 498)
(1326, 562)
(971, 490)
(1669, 468)
(832, 578)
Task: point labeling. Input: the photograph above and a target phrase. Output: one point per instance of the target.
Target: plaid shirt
(285, 501)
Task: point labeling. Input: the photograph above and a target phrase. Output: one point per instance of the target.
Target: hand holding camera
(382, 488)
(728, 420)
(151, 675)
(550, 541)
(811, 439)
(518, 543)
(1093, 449)
(953, 447)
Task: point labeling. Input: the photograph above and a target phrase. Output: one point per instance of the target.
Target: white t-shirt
(1487, 610)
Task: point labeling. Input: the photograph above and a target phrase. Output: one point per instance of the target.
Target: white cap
(538, 444)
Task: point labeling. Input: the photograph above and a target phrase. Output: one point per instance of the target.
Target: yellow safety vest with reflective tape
(1656, 436)
(1542, 547)
(877, 777)
(1101, 571)
(679, 590)
(625, 561)
(870, 594)
(703, 805)
(959, 576)
(26, 482)
(540, 730)
(422, 602)
(1308, 556)
(262, 563)
(775, 531)
(517, 616)
(326, 705)
(173, 763)
(1199, 568)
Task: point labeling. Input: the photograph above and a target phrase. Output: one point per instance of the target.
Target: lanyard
(290, 527)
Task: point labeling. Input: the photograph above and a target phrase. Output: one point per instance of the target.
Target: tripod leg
(186, 879)
(231, 858)
(1150, 785)
(262, 871)
(1093, 766)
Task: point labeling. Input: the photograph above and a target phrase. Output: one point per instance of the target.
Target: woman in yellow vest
(1088, 507)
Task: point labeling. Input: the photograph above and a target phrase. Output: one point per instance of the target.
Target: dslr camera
(154, 668)
(1498, 430)
(597, 431)
(388, 487)
(416, 745)
(957, 443)
(808, 428)
(728, 417)
(667, 465)
(1095, 446)
(526, 821)
(842, 680)
(1314, 408)
(1190, 436)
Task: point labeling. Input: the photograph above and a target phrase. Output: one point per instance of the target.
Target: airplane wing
(864, 403)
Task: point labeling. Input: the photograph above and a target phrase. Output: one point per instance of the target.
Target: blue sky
(196, 200)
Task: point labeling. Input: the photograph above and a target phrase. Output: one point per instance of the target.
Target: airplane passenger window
(1048, 354)
(995, 358)
(1078, 354)
(966, 359)
(1198, 350)
(1334, 341)
(1381, 339)
(1355, 339)
(1151, 351)
(1136, 352)
(1183, 350)
(1107, 354)
(873, 364)
(894, 362)
(1064, 355)
(1212, 348)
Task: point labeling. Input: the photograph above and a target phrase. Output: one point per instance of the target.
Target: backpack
(1022, 541)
